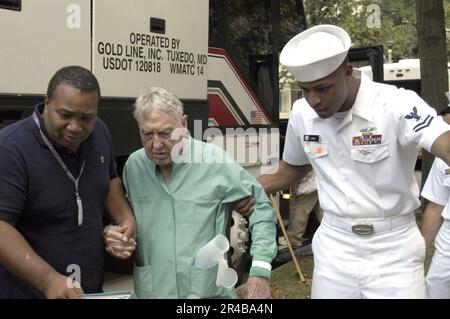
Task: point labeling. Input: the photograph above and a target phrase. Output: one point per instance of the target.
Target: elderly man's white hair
(158, 100)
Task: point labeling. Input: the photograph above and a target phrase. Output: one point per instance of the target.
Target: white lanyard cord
(66, 170)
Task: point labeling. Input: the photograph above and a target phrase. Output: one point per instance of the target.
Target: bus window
(11, 4)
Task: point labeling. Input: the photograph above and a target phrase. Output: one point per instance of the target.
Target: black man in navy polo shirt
(57, 175)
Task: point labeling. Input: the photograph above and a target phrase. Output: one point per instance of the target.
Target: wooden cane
(280, 220)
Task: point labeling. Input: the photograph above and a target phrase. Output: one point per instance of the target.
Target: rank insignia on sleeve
(415, 116)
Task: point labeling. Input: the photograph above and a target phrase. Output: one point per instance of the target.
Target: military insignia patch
(415, 116)
(365, 151)
(447, 171)
(316, 149)
(367, 137)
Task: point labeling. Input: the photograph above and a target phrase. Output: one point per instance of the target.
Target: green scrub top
(174, 221)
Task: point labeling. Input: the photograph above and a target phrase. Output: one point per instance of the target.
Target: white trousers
(386, 264)
(438, 276)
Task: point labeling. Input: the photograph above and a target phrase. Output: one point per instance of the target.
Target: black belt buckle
(363, 230)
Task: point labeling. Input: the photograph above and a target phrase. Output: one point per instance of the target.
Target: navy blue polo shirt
(38, 197)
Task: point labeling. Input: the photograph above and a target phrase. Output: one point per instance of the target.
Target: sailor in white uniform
(436, 220)
(362, 139)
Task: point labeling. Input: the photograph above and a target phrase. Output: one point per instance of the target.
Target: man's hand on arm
(19, 258)
(284, 177)
(245, 206)
(258, 288)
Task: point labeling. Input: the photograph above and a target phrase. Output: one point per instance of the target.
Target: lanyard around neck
(66, 170)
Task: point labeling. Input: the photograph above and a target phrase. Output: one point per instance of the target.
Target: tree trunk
(433, 61)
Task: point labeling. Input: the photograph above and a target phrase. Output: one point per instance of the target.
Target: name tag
(311, 138)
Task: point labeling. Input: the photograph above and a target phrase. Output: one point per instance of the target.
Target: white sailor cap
(316, 52)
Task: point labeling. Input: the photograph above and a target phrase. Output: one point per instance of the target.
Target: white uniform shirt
(364, 163)
(437, 186)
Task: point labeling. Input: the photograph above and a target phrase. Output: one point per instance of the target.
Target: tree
(396, 21)
(433, 60)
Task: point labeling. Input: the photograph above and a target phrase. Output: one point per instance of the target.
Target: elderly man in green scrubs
(181, 191)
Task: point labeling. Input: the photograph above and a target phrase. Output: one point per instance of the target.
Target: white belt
(370, 225)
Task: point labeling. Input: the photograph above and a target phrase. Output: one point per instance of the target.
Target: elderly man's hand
(258, 288)
(119, 240)
(245, 206)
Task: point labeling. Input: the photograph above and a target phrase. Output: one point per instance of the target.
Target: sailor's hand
(245, 206)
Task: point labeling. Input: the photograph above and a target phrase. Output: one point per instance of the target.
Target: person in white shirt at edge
(302, 202)
(362, 140)
(436, 220)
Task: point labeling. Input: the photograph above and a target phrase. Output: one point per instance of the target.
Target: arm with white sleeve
(418, 123)
(262, 224)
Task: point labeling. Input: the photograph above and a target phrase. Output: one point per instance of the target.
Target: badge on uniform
(447, 171)
(315, 150)
(367, 137)
(311, 138)
(414, 115)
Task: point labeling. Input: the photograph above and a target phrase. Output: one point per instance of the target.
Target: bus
(404, 73)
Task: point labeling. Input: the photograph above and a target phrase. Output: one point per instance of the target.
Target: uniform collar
(362, 106)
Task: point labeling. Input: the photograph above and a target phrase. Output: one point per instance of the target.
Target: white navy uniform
(437, 190)
(364, 165)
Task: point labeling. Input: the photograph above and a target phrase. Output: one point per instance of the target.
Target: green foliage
(397, 22)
